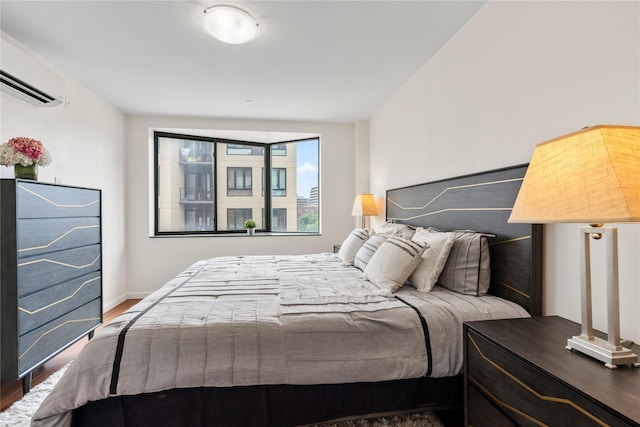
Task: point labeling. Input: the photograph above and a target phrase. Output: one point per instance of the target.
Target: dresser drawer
(37, 236)
(36, 200)
(37, 345)
(39, 308)
(525, 394)
(482, 413)
(41, 272)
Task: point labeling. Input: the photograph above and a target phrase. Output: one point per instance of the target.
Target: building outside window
(238, 181)
(279, 219)
(206, 185)
(278, 182)
(237, 217)
(279, 150)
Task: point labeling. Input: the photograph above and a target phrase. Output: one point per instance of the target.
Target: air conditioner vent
(24, 90)
(28, 78)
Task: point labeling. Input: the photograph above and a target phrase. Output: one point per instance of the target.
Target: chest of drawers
(50, 272)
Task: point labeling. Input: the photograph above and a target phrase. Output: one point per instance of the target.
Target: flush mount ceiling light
(230, 24)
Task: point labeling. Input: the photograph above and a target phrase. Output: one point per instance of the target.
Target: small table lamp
(591, 176)
(364, 205)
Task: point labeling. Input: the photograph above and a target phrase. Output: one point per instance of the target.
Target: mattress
(258, 320)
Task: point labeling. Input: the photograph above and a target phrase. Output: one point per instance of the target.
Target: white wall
(86, 140)
(517, 74)
(154, 260)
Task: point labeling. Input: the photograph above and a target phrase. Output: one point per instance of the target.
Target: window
(238, 181)
(279, 219)
(306, 185)
(278, 182)
(184, 185)
(279, 150)
(237, 217)
(244, 150)
(205, 185)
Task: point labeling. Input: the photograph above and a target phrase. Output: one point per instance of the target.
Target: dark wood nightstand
(518, 372)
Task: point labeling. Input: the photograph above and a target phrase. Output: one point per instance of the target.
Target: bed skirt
(270, 405)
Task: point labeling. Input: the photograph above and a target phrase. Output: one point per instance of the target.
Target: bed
(295, 340)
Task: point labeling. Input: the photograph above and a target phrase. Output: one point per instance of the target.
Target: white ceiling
(312, 60)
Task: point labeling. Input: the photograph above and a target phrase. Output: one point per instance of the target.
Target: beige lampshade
(364, 205)
(590, 176)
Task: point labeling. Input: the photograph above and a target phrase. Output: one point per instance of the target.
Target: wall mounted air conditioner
(25, 77)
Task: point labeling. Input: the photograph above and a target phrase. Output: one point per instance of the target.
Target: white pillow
(351, 244)
(434, 258)
(366, 251)
(403, 230)
(393, 263)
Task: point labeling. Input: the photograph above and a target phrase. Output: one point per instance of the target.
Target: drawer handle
(59, 263)
(529, 389)
(61, 300)
(59, 238)
(58, 205)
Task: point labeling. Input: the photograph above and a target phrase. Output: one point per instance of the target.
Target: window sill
(257, 234)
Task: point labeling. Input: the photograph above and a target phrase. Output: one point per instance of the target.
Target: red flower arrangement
(24, 151)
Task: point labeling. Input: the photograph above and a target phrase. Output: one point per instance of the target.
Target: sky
(307, 163)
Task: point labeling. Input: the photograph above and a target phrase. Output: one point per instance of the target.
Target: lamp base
(603, 351)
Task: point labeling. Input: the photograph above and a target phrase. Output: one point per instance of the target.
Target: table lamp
(364, 205)
(591, 176)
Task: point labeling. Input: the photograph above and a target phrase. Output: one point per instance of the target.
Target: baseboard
(113, 303)
(137, 295)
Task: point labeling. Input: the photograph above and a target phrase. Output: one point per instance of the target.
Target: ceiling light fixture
(230, 24)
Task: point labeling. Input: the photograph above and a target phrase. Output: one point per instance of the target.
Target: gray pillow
(366, 251)
(351, 244)
(468, 269)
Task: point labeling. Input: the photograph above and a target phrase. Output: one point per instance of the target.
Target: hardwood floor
(11, 391)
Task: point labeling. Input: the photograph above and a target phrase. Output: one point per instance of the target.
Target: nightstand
(336, 248)
(518, 372)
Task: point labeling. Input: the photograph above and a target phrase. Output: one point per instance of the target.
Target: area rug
(422, 419)
(19, 414)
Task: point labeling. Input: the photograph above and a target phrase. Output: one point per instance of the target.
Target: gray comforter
(270, 320)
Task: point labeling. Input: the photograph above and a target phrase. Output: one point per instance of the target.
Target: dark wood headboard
(481, 202)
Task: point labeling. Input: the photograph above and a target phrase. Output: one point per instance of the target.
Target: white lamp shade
(230, 24)
(591, 176)
(364, 205)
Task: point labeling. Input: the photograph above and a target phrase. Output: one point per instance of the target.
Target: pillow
(351, 244)
(393, 263)
(467, 270)
(434, 258)
(366, 251)
(403, 230)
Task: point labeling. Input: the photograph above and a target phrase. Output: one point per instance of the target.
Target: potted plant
(250, 225)
(24, 154)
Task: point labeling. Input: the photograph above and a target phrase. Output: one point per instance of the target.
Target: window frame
(267, 188)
